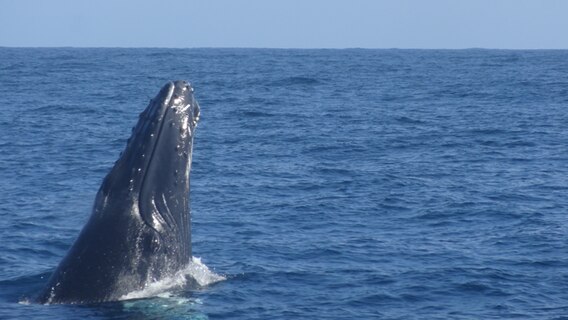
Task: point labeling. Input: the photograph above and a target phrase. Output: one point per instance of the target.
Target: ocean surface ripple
(326, 184)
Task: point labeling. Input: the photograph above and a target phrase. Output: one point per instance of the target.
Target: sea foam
(196, 272)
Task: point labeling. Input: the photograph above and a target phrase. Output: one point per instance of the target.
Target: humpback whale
(139, 230)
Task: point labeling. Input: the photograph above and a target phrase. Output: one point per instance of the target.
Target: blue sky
(507, 24)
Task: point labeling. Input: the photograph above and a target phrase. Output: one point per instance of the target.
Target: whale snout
(184, 102)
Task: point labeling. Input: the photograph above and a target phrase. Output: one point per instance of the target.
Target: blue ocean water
(326, 184)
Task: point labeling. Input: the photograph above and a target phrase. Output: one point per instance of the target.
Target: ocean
(326, 184)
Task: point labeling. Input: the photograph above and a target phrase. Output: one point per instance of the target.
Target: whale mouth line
(164, 112)
(159, 131)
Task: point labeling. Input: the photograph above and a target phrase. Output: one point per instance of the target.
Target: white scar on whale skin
(185, 108)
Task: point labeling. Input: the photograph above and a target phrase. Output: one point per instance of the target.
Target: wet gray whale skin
(139, 230)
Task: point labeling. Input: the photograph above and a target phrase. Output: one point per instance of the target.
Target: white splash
(195, 271)
(202, 274)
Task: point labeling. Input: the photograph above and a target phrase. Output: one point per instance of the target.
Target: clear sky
(508, 24)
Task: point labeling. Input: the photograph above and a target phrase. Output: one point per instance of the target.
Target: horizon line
(279, 48)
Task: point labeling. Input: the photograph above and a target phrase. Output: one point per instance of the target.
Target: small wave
(256, 114)
(409, 120)
(297, 80)
(196, 272)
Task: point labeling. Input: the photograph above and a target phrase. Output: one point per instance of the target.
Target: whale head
(152, 172)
